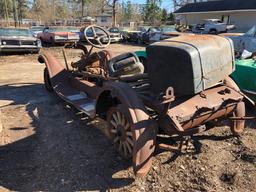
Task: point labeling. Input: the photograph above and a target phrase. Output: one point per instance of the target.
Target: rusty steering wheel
(97, 40)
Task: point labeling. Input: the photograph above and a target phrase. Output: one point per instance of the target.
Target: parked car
(59, 35)
(133, 35)
(146, 37)
(211, 26)
(18, 40)
(246, 41)
(154, 34)
(115, 35)
(185, 88)
(36, 29)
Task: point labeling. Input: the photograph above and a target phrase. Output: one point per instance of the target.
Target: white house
(242, 13)
(104, 20)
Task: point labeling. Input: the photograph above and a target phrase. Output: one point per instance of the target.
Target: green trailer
(244, 76)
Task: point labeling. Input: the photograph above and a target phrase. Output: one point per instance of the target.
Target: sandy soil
(46, 145)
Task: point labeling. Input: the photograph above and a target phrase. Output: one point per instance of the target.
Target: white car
(115, 35)
(36, 30)
(212, 26)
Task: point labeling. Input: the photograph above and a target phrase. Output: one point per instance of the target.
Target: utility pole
(114, 12)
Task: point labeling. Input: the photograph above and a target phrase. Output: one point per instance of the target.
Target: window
(104, 19)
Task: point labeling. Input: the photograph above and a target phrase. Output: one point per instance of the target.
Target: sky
(167, 4)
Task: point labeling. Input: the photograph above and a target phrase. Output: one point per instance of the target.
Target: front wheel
(120, 131)
(47, 81)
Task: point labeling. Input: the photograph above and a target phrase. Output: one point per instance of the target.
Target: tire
(213, 31)
(52, 43)
(140, 41)
(42, 42)
(120, 131)
(47, 81)
(35, 52)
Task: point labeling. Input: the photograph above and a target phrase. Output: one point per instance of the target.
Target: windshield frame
(61, 29)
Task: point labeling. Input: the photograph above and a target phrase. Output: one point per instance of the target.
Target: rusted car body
(138, 104)
(113, 33)
(59, 35)
(154, 34)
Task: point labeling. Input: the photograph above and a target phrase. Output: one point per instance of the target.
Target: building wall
(104, 21)
(243, 20)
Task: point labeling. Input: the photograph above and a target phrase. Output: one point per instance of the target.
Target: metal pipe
(241, 118)
(65, 59)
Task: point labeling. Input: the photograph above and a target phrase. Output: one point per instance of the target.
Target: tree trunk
(114, 13)
(6, 15)
(14, 13)
(82, 8)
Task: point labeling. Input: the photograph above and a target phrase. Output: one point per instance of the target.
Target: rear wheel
(120, 131)
(47, 81)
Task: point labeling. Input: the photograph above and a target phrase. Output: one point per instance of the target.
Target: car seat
(126, 64)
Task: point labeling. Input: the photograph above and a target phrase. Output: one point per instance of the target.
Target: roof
(104, 15)
(218, 5)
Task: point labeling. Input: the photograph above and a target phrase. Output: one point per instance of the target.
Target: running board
(82, 102)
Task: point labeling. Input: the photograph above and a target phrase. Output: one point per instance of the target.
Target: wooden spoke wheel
(120, 131)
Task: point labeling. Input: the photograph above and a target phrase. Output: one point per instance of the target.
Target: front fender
(53, 65)
(59, 76)
(143, 128)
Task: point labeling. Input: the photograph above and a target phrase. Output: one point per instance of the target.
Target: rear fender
(237, 127)
(57, 73)
(143, 128)
(232, 84)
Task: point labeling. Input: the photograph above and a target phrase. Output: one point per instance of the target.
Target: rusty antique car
(184, 88)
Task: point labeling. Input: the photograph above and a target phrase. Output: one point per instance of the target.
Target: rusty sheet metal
(85, 95)
(212, 104)
(144, 130)
(69, 88)
(189, 64)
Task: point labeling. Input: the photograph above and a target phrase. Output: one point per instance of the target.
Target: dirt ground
(46, 145)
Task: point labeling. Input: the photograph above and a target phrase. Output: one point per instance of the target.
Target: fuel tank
(189, 63)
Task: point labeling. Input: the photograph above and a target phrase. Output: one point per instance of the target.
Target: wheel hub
(121, 133)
